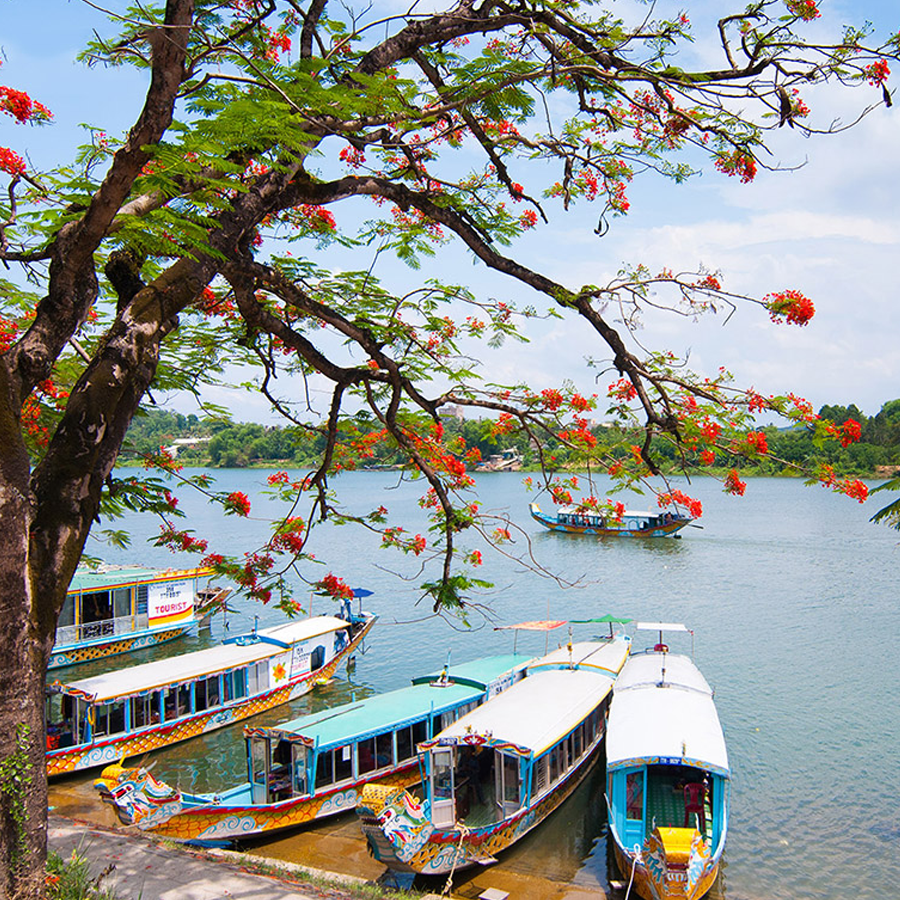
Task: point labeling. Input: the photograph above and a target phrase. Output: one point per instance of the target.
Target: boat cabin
(111, 708)
(630, 521)
(337, 748)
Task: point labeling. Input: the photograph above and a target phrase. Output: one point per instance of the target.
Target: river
(791, 594)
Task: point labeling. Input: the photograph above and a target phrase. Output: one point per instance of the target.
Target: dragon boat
(94, 721)
(316, 765)
(667, 774)
(117, 609)
(499, 771)
(574, 520)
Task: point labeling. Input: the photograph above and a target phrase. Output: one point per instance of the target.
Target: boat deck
(665, 804)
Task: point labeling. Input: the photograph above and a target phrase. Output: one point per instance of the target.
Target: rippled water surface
(791, 593)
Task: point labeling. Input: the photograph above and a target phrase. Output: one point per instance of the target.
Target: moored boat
(94, 721)
(667, 774)
(117, 609)
(500, 770)
(574, 520)
(316, 765)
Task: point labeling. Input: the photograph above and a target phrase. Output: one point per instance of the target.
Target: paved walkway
(145, 869)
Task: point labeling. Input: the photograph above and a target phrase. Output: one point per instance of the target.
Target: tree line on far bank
(221, 443)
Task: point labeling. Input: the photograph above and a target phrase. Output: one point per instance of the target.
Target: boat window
(365, 756)
(177, 701)
(577, 738)
(420, 733)
(145, 710)
(64, 720)
(259, 769)
(235, 685)
(67, 614)
(317, 658)
(324, 768)
(406, 748)
(109, 718)
(122, 602)
(554, 765)
(540, 770)
(96, 614)
(298, 765)
(343, 763)
(634, 796)
(510, 783)
(206, 693)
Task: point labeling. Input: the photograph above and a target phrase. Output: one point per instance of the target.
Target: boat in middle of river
(316, 765)
(500, 770)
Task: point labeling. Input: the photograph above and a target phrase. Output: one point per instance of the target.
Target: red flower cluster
(854, 489)
(733, 484)
(11, 162)
(877, 73)
(332, 586)
(21, 107)
(790, 305)
(737, 163)
(237, 502)
(757, 441)
(847, 434)
(622, 389)
(707, 457)
(694, 507)
(552, 398)
(179, 540)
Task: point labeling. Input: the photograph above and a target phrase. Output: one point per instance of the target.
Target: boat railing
(86, 631)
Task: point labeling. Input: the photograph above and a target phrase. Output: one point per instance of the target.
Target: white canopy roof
(670, 716)
(660, 626)
(605, 655)
(539, 710)
(188, 666)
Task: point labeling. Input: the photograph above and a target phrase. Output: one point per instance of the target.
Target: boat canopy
(605, 657)
(481, 672)
(663, 711)
(661, 626)
(178, 669)
(535, 713)
(106, 577)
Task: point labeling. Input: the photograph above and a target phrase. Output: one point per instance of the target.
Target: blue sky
(830, 229)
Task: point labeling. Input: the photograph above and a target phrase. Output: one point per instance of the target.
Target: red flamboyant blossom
(707, 457)
(791, 306)
(737, 163)
(847, 434)
(332, 586)
(237, 502)
(757, 441)
(804, 9)
(733, 484)
(877, 73)
(11, 162)
(622, 389)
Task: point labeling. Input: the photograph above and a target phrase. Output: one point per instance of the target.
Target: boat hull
(401, 836)
(679, 888)
(103, 752)
(140, 640)
(155, 807)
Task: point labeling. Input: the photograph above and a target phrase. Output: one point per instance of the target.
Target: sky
(829, 229)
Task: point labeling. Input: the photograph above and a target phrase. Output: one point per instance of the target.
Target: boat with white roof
(500, 770)
(667, 773)
(95, 721)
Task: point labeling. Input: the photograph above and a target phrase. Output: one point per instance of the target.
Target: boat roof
(541, 709)
(109, 576)
(581, 511)
(481, 672)
(538, 711)
(672, 716)
(603, 655)
(339, 725)
(188, 666)
(661, 626)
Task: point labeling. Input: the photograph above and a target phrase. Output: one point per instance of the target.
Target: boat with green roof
(316, 765)
(116, 609)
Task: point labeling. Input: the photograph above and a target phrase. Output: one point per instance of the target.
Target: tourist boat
(94, 721)
(667, 774)
(116, 609)
(575, 520)
(500, 770)
(314, 766)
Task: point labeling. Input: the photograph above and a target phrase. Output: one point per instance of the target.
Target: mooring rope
(637, 850)
(463, 831)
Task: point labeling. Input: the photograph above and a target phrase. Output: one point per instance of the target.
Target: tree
(147, 265)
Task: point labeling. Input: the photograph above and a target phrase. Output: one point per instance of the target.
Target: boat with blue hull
(576, 520)
(667, 774)
(316, 765)
(117, 609)
(499, 771)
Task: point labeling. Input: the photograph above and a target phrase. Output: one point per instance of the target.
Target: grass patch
(71, 879)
